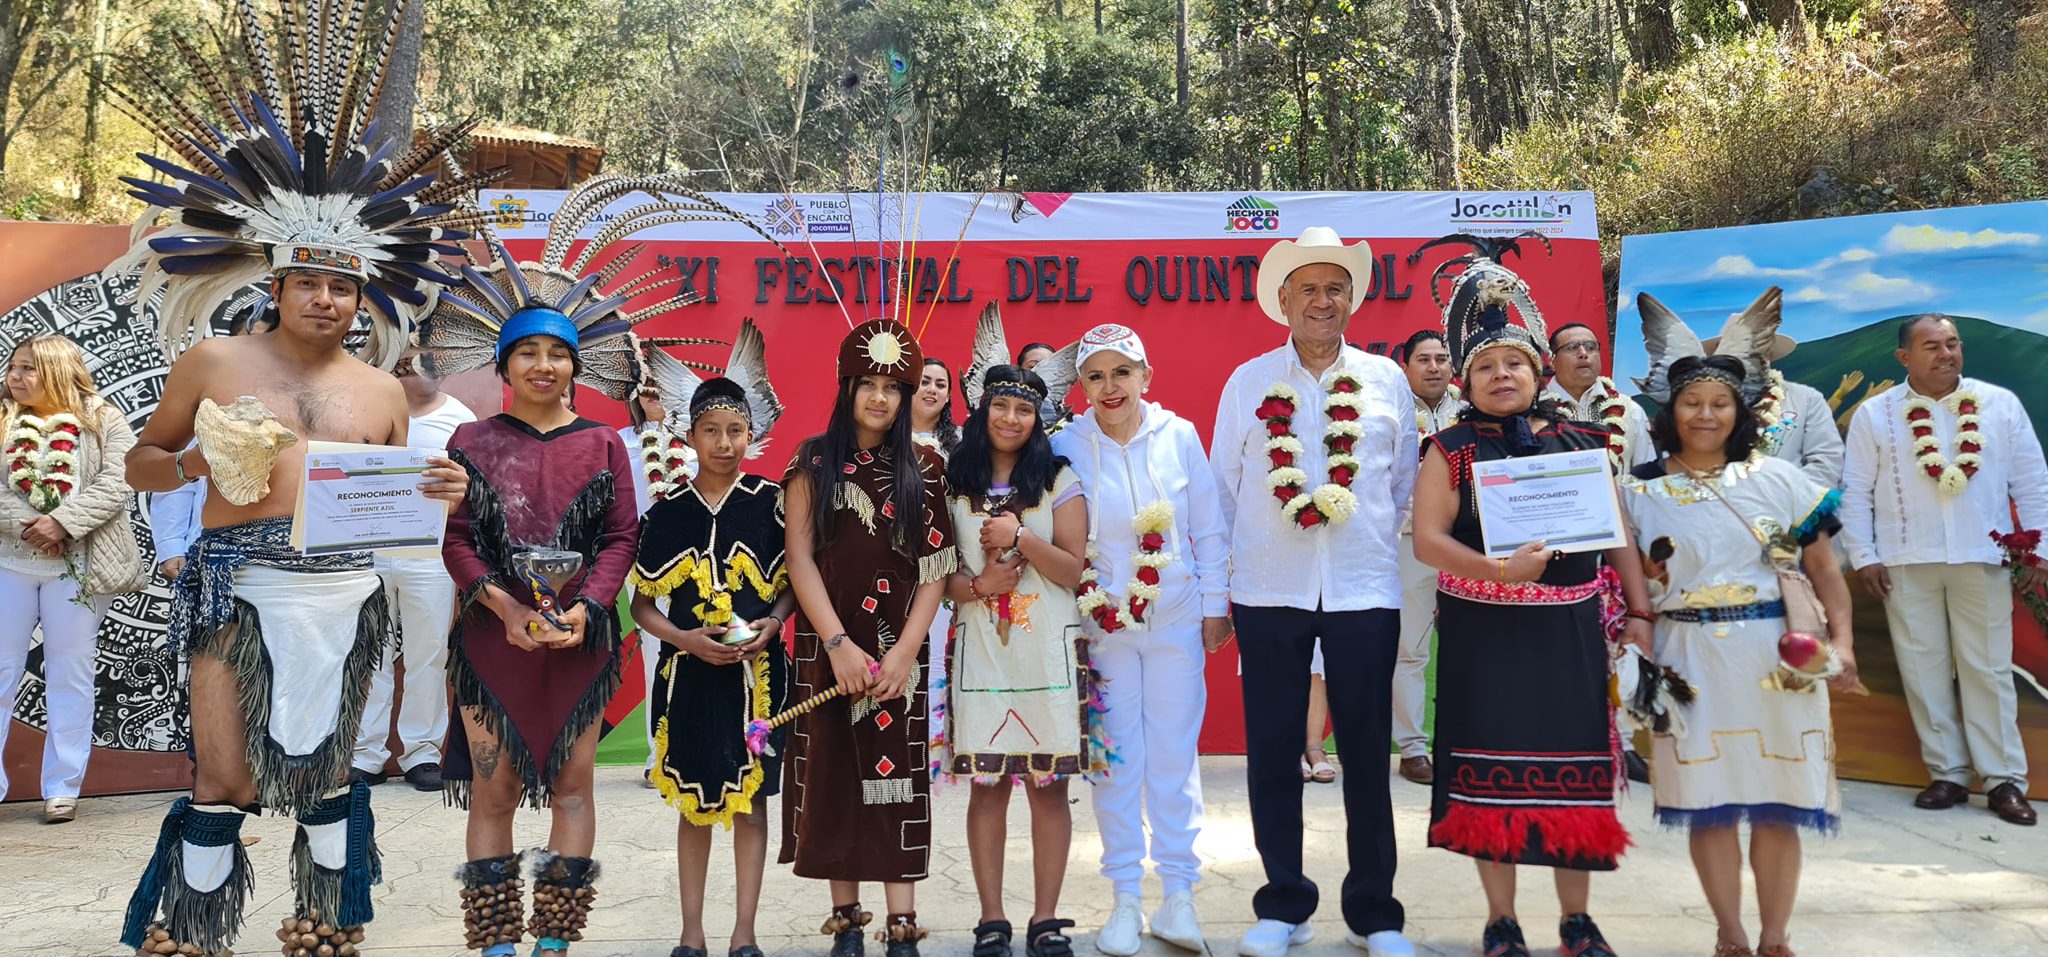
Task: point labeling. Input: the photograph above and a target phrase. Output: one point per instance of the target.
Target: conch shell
(241, 443)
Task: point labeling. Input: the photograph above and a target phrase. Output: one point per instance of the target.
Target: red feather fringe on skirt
(1590, 834)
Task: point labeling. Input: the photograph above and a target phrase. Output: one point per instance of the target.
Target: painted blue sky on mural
(1841, 274)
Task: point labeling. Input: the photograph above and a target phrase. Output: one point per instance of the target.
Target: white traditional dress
(1020, 682)
(1747, 753)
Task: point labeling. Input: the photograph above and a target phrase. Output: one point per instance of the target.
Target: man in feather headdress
(316, 204)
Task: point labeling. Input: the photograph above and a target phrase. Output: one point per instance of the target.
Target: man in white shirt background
(173, 524)
(1427, 363)
(1805, 435)
(1322, 565)
(1918, 526)
(422, 596)
(645, 414)
(1576, 378)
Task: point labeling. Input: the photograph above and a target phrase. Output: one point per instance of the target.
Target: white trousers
(650, 661)
(1411, 661)
(1952, 633)
(422, 598)
(1155, 698)
(70, 647)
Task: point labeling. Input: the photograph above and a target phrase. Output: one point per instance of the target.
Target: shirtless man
(313, 619)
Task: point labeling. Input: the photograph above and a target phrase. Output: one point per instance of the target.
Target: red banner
(1191, 295)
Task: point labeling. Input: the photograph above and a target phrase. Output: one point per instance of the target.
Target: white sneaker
(1385, 943)
(1119, 934)
(1271, 938)
(1177, 922)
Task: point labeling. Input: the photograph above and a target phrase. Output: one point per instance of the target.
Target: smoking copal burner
(547, 571)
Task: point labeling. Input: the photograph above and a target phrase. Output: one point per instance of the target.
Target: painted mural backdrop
(1848, 282)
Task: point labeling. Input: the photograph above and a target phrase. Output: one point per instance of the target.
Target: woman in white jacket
(67, 550)
(1157, 597)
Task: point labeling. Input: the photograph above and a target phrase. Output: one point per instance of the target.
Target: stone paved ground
(1898, 882)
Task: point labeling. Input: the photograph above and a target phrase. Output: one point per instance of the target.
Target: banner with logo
(1848, 282)
(1180, 268)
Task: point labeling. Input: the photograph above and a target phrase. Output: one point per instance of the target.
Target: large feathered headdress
(1482, 291)
(1750, 335)
(570, 297)
(677, 380)
(283, 169)
(992, 348)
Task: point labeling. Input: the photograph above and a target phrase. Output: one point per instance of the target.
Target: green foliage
(1869, 109)
(1757, 128)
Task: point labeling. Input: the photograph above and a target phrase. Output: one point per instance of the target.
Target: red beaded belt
(1606, 585)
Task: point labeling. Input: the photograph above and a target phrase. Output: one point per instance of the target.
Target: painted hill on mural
(1848, 367)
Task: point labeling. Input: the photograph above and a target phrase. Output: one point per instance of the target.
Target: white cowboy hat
(1318, 244)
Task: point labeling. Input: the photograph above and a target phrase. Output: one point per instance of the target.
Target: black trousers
(1275, 646)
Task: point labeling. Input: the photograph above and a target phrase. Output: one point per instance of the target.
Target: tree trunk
(1180, 51)
(26, 28)
(1994, 34)
(1447, 90)
(1652, 32)
(1304, 119)
(95, 94)
(1437, 29)
(17, 26)
(1098, 17)
(1789, 16)
(395, 105)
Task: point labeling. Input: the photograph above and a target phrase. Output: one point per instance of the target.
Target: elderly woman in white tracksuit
(1155, 598)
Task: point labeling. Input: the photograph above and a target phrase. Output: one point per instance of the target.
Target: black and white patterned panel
(136, 678)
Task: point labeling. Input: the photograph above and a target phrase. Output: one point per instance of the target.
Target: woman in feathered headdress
(534, 662)
(870, 546)
(1522, 674)
(1725, 517)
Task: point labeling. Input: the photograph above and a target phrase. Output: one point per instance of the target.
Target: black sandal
(1045, 940)
(683, 950)
(745, 950)
(1503, 938)
(847, 926)
(992, 939)
(901, 934)
(1581, 938)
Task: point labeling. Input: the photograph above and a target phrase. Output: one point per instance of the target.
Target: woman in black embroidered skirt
(1525, 744)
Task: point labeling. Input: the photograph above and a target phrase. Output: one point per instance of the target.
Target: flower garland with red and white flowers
(1614, 416)
(1953, 475)
(41, 458)
(665, 460)
(1422, 416)
(1152, 523)
(1332, 502)
(1770, 411)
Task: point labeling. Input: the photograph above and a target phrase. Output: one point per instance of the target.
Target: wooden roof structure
(537, 159)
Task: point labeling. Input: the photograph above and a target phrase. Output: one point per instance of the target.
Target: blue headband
(536, 321)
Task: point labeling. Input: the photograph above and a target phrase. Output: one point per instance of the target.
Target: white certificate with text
(366, 498)
(1565, 500)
